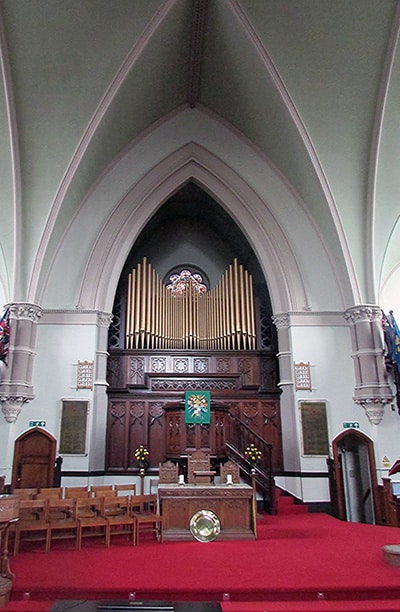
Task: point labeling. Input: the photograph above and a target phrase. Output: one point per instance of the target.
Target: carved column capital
(104, 319)
(281, 320)
(363, 312)
(23, 310)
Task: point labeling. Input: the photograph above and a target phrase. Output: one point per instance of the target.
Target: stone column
(281, 322)
(99, 423)
(16, 388)
(288, 408)
(372, 391)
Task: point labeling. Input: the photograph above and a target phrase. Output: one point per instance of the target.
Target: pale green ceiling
(314, 84)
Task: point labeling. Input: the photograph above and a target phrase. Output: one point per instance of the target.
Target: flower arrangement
(141, 454)
(252, 454)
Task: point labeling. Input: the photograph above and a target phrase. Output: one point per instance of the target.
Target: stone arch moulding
(250, 212)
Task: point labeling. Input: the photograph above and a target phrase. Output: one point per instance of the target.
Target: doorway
(355, 473)
(34, 460)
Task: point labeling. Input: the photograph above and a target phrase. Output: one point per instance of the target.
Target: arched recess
(355, 476)
(34, 459)
(193, 162)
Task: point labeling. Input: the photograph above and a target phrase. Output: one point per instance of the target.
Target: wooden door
(34, 459)
(355, 476)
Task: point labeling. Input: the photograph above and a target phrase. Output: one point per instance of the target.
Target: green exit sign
(353, 424)
(37, 423)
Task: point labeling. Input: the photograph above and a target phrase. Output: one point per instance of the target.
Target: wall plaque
(314, 427)
(73, 427)
(302, 376)
(84, 376)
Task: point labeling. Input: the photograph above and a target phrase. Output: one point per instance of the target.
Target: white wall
(60, 346)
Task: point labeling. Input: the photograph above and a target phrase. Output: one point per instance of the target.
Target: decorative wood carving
(146, 403)
(232, 468)
(169, 473)
(136, 371)
(199, 471)
(232, 505)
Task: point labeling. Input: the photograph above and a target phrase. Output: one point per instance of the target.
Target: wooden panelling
(146, 399)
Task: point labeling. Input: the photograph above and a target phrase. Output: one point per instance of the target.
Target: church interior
(199, 263)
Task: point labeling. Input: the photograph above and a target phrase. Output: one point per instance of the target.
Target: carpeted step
(294, 509)
(28, 605)
(381, 605)
(286, 504)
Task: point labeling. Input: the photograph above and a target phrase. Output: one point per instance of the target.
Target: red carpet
(299, 562)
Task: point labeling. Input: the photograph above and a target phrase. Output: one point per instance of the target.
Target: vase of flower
(253, 455)
(142, 458)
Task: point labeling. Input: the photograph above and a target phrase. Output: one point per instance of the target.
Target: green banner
(197, 407)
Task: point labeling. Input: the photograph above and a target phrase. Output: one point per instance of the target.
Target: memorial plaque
(73, 427)
(315, 428)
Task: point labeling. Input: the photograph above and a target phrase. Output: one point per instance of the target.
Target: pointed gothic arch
(192, 163)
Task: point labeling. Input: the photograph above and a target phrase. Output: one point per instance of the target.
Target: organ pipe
(219, 319)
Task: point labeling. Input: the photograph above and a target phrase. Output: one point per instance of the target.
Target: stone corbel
(372, 391)
(374, 407)
(16, 388)
(12, 406)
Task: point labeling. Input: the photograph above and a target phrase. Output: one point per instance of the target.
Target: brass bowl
(205, 526)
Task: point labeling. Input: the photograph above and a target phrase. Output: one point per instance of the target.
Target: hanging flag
(391, 334)
(5, 336)
(388, 340)
(395, 340)
(197, 407)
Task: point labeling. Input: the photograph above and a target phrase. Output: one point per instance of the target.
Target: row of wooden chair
(45, 519)
(82, 491)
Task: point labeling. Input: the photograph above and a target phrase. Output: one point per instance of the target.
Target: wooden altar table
(231, 503)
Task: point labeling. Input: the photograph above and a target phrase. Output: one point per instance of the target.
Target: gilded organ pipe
(185, 315)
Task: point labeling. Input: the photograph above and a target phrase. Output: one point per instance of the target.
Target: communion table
(232, 504)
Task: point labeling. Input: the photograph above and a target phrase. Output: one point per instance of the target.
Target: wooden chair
(125, 489)
(33, 519)
(25, 493)
(50, 492)
(76, 492)
(168, 473)
(62, 518)
(232, 468)
(118, 515)
(91, 519)
(94, 489)
(199, 471)
(144, 509)
(105, 493)
(110, 502)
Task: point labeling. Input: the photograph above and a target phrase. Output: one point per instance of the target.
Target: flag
(5, 336)
(395, 340)
(388, 340)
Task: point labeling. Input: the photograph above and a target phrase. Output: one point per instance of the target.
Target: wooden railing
(240, 438)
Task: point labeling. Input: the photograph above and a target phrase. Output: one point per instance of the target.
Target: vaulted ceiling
(313, 85)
